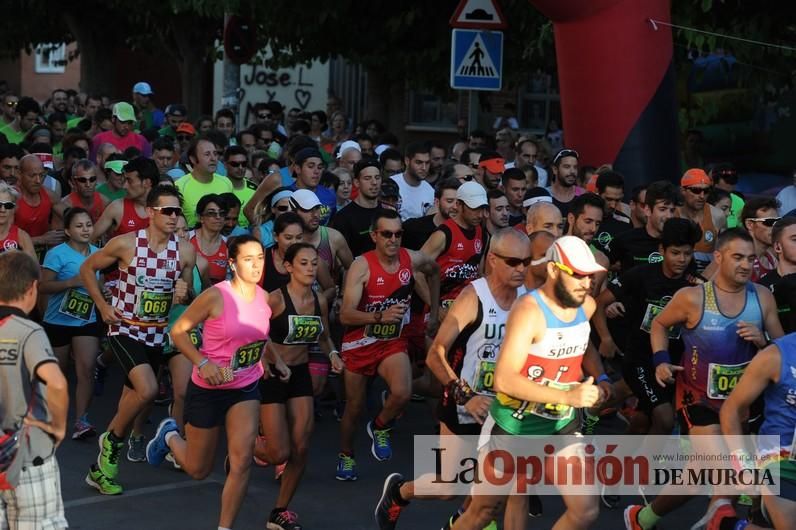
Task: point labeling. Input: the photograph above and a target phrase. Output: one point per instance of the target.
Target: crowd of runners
(242, 276)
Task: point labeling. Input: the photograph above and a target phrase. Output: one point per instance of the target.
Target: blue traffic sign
(476, 59)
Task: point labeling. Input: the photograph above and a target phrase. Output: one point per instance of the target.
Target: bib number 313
(248, 355)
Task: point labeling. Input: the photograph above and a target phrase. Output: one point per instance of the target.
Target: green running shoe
(108, 458)
(103, 484)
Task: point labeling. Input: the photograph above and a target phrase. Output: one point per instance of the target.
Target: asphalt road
(164, 498)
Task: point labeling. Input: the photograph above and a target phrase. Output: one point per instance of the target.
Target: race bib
(248, 355)
(653, 311)
(722, 378)
(196, 337)
(77, 304)
(154, 305)
(446, 304)
(303, 329)
(382, 331)
(553, 411)
(484, 378)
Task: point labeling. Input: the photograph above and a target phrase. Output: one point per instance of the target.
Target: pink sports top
(237, 337)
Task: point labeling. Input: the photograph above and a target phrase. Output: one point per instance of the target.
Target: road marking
(172, 486)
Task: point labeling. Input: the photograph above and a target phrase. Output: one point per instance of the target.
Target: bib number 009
(383, 331)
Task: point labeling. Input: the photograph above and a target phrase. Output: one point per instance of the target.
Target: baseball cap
(306, 153)
(186, 128)
(46, 159)
(574, 254)
(123, 111)
(117, 166)
(176, 109)
(695, 177)
(493, 165)
(304, 200)
(534, 195)
(472, 194)
(345, 146)
(389, 188)
(380, 149)
(143, 88)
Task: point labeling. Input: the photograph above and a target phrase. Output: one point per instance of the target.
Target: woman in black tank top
(299, 319)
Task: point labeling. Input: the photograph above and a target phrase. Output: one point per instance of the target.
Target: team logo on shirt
(10, 245)
(171, 264)
(655, 257)
(604, 239)
(477, 246)
(379, 281)
(404, 276)
(131, 222)
(459, 246)
(708, 236)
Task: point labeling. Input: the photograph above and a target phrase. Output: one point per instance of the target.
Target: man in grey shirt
(34, 398)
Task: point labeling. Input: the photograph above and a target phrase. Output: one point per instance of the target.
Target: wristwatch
(378, 316)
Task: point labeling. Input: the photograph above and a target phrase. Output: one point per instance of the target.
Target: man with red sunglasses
(695, 186)
(84, 194)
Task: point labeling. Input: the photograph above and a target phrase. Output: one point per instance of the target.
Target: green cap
(117, 166)
(124, 112)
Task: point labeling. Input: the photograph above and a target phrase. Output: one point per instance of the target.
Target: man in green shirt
(237, 161)
(90, 108)
(113, 188)
(151, 115)
(175, 115)
(202, 180)
(28, 112)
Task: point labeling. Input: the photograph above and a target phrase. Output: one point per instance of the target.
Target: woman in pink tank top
(223, 390)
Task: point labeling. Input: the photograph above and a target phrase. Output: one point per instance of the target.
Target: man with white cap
(122, 135)
(458, 244)
(331, 245)
(538, 394)
(349, 154)
(151, 116)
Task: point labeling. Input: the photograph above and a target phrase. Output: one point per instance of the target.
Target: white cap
(574, 253)
(345, 146)
(472, 194)
(379, 149)
(304, 199)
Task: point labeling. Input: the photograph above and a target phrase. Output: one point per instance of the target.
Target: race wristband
(660, 357)
(202, 363)
(603, 379)
(333, 352)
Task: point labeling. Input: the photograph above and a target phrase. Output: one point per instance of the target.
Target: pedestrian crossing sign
(476, 59)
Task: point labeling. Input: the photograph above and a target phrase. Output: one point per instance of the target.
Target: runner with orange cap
(695, 186)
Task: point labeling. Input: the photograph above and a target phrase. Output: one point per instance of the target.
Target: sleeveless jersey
(475, 352)
(11, 241)
(382, 290)
(554, 361)
(96, 205)
(703, 250)
(780, 402)
(325, 248)
(144, 292)
(35, 220)
(237, 337)
(130, 221)
(291, 328)
(715, 356)
(217, 262)
(459, 262)
(272, 278)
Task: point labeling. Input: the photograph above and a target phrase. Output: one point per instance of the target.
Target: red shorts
(366, 359)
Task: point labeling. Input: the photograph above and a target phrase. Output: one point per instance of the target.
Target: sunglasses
(184, 137)
(236, 164)
(215, 213)
(564, 153)
(168, 211)
(514, 262)
(85, 180)
(8, 205)
(264, 116)
(468, 178)
(765, 221)
(12, 104)
(697, 191)
(389, 234)
(282, 208)
(571, 272)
